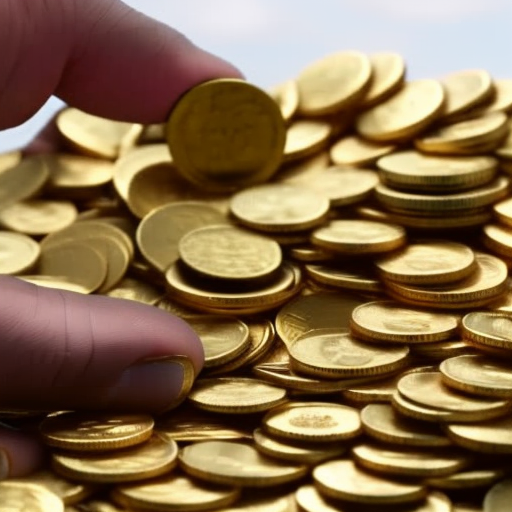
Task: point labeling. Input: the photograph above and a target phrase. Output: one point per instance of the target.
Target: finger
(20, 453)
(100, 56)
(63, 350)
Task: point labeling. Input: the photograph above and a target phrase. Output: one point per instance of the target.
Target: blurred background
(272, 40)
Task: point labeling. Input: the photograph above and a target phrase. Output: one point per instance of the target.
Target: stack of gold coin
(327, 242)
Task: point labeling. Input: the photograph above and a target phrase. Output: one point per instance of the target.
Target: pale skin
(61, 350)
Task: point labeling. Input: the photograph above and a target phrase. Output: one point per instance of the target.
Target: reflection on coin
(30, 497)
(488, 328)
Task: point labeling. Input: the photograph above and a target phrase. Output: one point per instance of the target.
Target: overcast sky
(272, 40)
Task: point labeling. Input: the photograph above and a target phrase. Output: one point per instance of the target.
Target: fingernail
(4, 465)
(157, 384)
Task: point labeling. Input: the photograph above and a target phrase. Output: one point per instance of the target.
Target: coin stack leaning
(341, 245)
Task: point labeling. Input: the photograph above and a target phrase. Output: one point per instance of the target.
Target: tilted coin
(503, 211)
(26, 496)
(467, 479)
(502, 99)
(356, 151)
(488, 328)
(18, 252)
(286, 95)
(309, 499)
(498, 239)
(305, 138)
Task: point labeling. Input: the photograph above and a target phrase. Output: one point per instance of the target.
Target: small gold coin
(411, 462)
(498, 239)
(334, 82)
(153, 458)
(497, 499)
(411, 170)
(403, 115)
(238, 395)
(231, 463)
(286, 95)
(21, 496)
(383, 423)
(342, 479)
(225, 134)
(313, 421)
(358, 237)
(305, 138)
(477, 374)
(175, 493)
(18, 252)
(130, 288)
(488, 328)
(389, 321)
(355, 151)
(432, 262)
(230, 253)
(95, 432)
(333, 353)
(223, 338)
(502, 100)
(493, 436)
(159, 233)
(279, 207)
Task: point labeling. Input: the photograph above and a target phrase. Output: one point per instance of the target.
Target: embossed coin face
(18, 252)
(99, 431)
(336, 354)
(390, 321)
(279, 207)
(228, 252)
(359, 236)
(488, 328)
(22, 496)
(225, 134)
(228, 462)
(428, 263)
(313, 421)
(342, 479)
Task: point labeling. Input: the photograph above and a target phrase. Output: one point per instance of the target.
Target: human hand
(60, 350)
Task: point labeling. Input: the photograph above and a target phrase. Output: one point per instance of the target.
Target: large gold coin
(432, 262)
(279, 207)
(334, 82)
(18, 252)
(498, 497)
(389, 321)
(23, 496)
(231, 463)
(235, 395)
(313, 421)
(488, 328)
(153, 458)
(230, 253)
(333, 353)
(403, 115)
(175, 493)
(95, 432)
(355, 151)
(225, 134)
(342, 479)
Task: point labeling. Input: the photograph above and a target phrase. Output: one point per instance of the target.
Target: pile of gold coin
(341, 245)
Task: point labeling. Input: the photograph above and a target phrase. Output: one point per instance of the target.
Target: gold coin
(235, 395)
(304, 452)
(313, 421)
(159, 233)
(388, 72)
(498, 239)
(286, 95)
(256, 502)
(95, 432)
(502, 99)
(223, 338)
(432, 262)
(21, 496)
(383, 423)
(372, 392)
(23, 180)
(358, 237)
(349, 277)
(225, 134)
(503, 211)
(411, 462)
(9, 159)
(133, 289)
(308, 253)
(487, 328)
(493, 436)
(477, 374)
(18, 253)
(279, 207)
(333, 353)
(469, 479)
(317, 311)
(305, 138)
(411, 170)
(230, 253)
(153, 458)
(497, 499)
(440, 350)
(309, 499)
(342, 479)
(427, 389)
(304, 171)
(355, 151)
(232, 463)
(175, 493)
(92, 135)
(403, 115)
(505, 150)
(466, 89)
(388, 321)
(334, 82)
